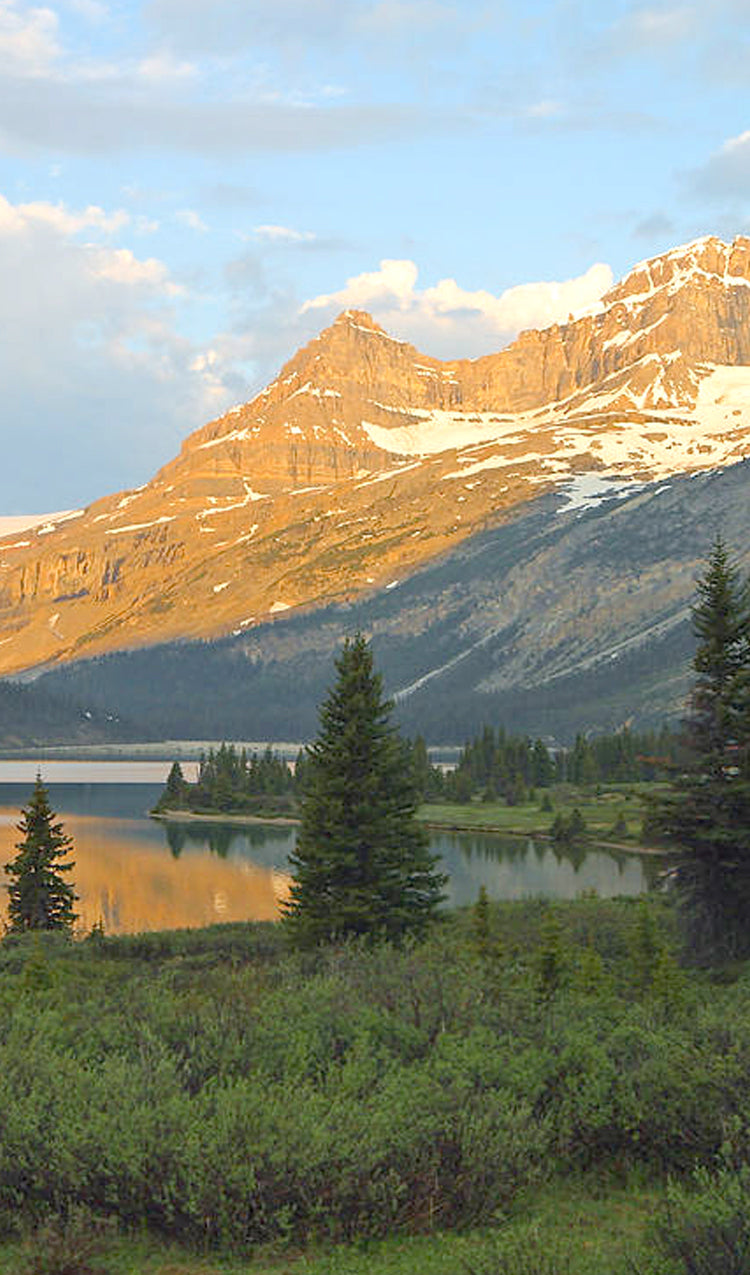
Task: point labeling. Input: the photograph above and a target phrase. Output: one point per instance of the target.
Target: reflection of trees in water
(220, 840)
(262, 843)
(500, 849)
(268, 846)
(176, 839)
(574, 854)
(517, 850)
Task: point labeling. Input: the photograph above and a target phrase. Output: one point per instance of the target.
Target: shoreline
(288, 821)
(190, 816)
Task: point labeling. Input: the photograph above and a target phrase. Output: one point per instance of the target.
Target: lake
(134, 873)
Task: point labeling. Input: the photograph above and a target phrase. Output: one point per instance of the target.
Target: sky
(189, 191)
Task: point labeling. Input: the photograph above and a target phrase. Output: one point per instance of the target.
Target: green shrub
(184, 1085)
(703, 1229)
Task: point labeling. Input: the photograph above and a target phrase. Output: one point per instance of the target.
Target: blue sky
(190, 190)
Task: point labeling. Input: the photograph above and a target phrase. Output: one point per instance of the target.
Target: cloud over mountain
(91, 338)
(461, 317)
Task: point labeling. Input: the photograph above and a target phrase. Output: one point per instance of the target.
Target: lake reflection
(134, 873)
(517, 868)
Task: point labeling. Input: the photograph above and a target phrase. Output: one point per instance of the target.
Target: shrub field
(214, 1089)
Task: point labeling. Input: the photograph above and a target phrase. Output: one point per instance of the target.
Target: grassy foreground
(585, 1228)
(512, 1097)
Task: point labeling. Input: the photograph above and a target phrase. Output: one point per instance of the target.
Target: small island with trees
(230, 782)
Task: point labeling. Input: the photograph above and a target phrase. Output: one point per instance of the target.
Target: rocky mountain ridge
(365, 459)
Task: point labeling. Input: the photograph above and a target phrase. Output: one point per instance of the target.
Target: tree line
(499, 766)
(495, 765)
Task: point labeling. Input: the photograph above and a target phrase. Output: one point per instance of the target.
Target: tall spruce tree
(707, 815)
(361, 865)
(39, 897)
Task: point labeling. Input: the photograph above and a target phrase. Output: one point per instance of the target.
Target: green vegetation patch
(222, 1091)
(613, 813)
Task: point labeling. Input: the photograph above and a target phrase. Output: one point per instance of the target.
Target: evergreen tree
(39, 897)
(707, 815)
(421, 768)
(176, 789)
(361, 864)
(542, 767)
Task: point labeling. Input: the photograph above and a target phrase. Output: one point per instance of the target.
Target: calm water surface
(134, 873)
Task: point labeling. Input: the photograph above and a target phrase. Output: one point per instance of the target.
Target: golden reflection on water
(132, 885)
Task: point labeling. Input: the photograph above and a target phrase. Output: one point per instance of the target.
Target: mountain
(572, 614)
(365, 460)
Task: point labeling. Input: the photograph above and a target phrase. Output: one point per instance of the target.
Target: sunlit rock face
(365, 458)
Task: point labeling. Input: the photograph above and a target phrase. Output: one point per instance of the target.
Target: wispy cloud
(89, 119)
(227, 25)
(92, 10)
(161, 68)
(657, 25)
(192, 219)
(656, 225)
(283, 234)
(726, 174)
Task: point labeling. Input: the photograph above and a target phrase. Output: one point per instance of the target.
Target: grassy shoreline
(247, 821)
(600, 811)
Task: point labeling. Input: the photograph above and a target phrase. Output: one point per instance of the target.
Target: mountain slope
(365, 460)
(568, 616)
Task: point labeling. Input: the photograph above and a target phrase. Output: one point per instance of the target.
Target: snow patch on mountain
(724, 397)
(11, 524)
(440, 431)
(590, 491)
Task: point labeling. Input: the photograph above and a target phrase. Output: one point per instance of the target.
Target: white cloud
(162, 68)
(283, 234)
(393, 283)
(449, 319)
(120, 265)
(735, 144)
(28, 39)
(99, 385)
(17, 218)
